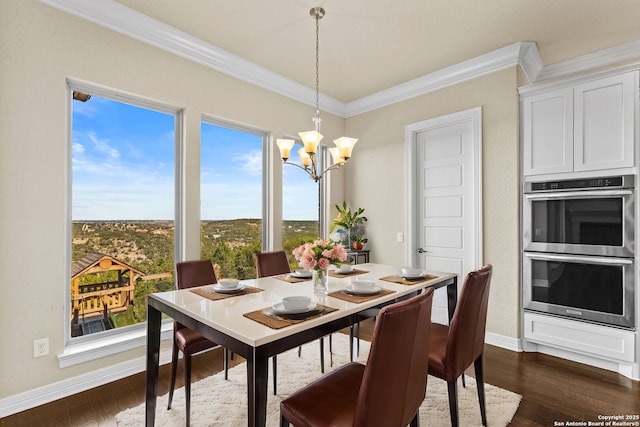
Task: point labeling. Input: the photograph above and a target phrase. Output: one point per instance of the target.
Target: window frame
(90, 347)
(267, 176)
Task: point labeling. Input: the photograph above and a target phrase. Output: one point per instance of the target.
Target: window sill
(75, 354)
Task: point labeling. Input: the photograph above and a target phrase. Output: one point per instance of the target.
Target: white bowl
(411, 272)
(228, 283)
(295, 302)
(303, 273)
(345, 268)
(363, 285)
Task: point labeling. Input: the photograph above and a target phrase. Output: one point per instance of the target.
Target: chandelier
(340, 154)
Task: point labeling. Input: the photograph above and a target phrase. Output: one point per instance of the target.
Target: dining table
(251, 323)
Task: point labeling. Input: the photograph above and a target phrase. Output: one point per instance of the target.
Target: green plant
(347, 218)
(359, 238)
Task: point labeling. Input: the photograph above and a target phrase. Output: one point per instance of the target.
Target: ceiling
(367, 46)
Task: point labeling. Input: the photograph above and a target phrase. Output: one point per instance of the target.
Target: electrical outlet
(41, 347)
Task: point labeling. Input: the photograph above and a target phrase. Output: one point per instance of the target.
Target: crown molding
(488, 63)
(591, 61)
(530, 61)
(117, 17)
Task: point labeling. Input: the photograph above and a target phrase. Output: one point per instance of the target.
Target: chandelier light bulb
(335, 155)
(285, 146)
(345, 145)
(304, 157)
(310, 139)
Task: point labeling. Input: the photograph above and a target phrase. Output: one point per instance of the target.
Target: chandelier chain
(317, 62)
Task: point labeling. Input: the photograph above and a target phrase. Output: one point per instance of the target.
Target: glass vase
(321, 280)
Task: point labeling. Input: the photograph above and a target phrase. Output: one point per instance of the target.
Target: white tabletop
(226, 315)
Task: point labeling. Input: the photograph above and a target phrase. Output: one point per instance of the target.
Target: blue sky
(124, 168)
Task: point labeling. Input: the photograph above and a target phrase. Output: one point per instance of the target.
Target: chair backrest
(467, 330)
(394, 381)
(271, 263)
(195, 273)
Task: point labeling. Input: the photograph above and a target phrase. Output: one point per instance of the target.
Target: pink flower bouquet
(319, 254)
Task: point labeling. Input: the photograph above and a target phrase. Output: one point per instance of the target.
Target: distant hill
(149, 245)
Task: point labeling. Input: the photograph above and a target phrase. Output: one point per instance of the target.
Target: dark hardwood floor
(553, 389)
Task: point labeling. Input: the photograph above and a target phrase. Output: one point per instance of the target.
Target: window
(122, 209)
(231, 194)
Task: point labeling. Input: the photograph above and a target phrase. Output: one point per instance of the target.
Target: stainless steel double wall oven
(579, 249)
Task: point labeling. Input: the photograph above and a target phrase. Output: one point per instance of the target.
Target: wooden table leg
(257, 376)
(154, 320)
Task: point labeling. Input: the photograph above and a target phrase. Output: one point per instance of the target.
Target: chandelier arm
(314, 165)
(336, 166)
(306, 169)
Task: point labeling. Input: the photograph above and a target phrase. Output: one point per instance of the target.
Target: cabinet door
(604, 123)
(548, 132)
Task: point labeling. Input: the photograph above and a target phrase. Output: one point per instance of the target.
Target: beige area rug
(216, 402)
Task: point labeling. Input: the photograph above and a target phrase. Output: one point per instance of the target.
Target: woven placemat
(268, 317)
(403, 281)
(209, 293)
(291, 279)
(359, 298)
(353, 272)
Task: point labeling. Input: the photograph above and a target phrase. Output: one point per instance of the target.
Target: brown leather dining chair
(188, 275)
(454, 348)
(387, 391)
(272, 264)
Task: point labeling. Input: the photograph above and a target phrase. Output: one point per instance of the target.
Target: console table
(358, 257)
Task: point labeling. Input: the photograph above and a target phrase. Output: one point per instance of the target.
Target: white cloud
(250, 163)
(103, 146)
(76, 147)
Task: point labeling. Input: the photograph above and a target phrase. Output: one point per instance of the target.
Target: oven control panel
(624, 181)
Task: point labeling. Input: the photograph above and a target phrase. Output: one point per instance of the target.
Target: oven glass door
(586, 223)
(587, 288)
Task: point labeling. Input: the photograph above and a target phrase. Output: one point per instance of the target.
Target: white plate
(228, 290)
(279, 308)
(299, 275)
(351, 290)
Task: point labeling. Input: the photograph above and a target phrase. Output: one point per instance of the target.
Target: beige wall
(41, 47)
(376, 179)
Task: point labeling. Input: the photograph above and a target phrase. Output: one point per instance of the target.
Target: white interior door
(446, 224)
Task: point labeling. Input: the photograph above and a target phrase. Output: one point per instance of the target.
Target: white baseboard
(626, 369)
(503, 341)
(440, 315)
(67, 387)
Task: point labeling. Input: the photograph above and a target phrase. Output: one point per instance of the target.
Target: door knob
(421, 251)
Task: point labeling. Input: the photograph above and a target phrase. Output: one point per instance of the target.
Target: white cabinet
(603, 123)
(548, 132)
(584, 127)
(580, 337)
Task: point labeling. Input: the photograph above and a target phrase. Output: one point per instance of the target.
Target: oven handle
(588, 260)
(579, 194)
